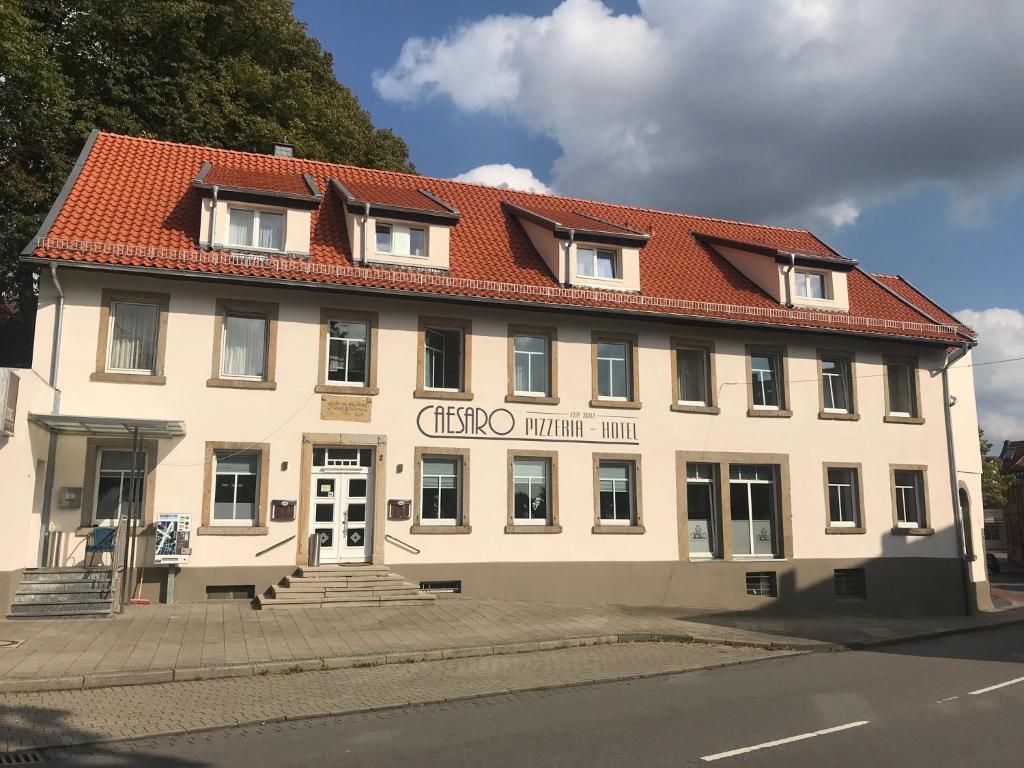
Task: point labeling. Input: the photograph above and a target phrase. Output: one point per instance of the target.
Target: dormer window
(254, 228)
(400, 240)
(601, 263)
(812, 285)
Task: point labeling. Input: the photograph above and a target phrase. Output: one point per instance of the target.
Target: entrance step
(63, 593)
(343, 586)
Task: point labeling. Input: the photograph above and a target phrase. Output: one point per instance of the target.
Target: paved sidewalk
(63, 718)
(190, 641)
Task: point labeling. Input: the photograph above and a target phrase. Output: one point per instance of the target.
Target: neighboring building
(576, 400)
(1012, 456)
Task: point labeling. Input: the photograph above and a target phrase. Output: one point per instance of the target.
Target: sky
(894, 131)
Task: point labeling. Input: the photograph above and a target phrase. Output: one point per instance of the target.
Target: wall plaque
(399, 509)
(342, 408)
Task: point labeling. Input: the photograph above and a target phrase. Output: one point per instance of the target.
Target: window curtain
(245, 346)
(271, 231)
(240, 227)
(133, 337)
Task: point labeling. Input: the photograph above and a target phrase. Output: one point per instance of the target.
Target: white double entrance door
(343, 513)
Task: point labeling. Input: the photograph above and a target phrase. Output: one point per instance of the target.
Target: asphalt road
(924, 704)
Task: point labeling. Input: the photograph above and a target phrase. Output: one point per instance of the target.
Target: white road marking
(779, 742)
(997, 685)
(948, 698)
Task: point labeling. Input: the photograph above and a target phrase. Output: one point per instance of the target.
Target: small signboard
(282, 510)
(173, 538)
(399, 509)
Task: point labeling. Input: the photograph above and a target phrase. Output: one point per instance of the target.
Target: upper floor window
(901, 389)
(400, 240)
(133, 337)
(765, 381)
(532, 365)
(693, 376)
(442, 358)
(255, 228)
(244, 347)
(348, 352)
(812, 285)
(613, 370)
(836, 385)
(597, 262)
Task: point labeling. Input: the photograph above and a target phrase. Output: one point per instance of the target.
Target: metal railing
(403, 544)
(281, 543)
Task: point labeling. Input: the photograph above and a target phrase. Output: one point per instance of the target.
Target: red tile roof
(907, 291)
(264, 181)
(394, 197)
(133, 204)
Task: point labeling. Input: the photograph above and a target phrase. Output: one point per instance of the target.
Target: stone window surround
(551, 333)
(207, 526)
(372, 321)
(851, 360)
(723, 459)
(418, 526)
(554, 526)
(251, 309)
(107, 298)
(93, 446)
(784, 411)
(925, 529)
(456, 323)
(915, 373)
(861, 524)
(638, 526)
(677, 342)
(632, 340)
(343, 440)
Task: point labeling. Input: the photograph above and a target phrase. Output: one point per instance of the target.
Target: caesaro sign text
(476, 423)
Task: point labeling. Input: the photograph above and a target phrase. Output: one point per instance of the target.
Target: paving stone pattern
(62, 718)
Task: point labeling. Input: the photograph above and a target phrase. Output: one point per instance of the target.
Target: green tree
(239, 74)
(994, 482)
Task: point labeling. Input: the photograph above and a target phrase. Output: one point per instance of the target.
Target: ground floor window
(617, 492)
(909, 493)
(753, 502)
(113, 485)
(701, 510)
(843, 497)
(236, 479)
(531, 479)
(441, 491)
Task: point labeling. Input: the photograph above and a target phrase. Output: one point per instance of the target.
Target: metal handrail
(399, 543)
(274, 546)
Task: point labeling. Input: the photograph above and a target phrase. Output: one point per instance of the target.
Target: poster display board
(173, 538)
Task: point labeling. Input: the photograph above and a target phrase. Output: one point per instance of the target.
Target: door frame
(342, 440)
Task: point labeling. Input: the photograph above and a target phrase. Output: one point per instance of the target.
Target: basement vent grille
(441, 586)
(21, 758)
(851, 584)
(762, 584)
(231, 592)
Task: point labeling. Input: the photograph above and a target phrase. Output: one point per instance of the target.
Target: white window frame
(409, 228)
(759, 381)
(444, 352)
(531, 482)
(854, 486)
(774, 482)
(845, 375)
(125, 477)
(626, 360)
(459, 469)
(631, 487)
(706, 357)
(596, 249)
(348, 344)
(713, 523)
(530, 356)
(114, 303)
(908, 369)
(254, 243)
(234, 522)
(266, 345)
(901, 493)
(826, 284)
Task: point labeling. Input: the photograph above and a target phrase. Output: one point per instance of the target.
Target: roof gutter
(362, 230)
(789, 280)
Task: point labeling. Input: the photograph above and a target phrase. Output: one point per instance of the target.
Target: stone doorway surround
(343, 440)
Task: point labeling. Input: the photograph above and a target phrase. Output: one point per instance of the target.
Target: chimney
(283, 149)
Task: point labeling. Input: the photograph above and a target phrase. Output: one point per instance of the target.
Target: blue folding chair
(101, 540)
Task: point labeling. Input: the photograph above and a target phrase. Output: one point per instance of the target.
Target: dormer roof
(391, 199)
(580, 224)
(822, 256)
(245, 181)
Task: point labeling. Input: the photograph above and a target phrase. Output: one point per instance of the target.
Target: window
(753, 509)
(765, 381)
(693, 376)
(236, 478)
(843, 497)
(244, 347)
(347, 353)
(532, 365)
(613, 370)
(400, 240)
(617, 496)
(531, 479)
(701, 510)
(441, 491)
(597, 262)
(836, 385)
(442, 359)
(113, 485)
(133, 337)
(901, 390)
(909, 491)
(811, 285)
(251, 228)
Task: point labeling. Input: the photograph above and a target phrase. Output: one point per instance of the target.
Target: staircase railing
(403, 544)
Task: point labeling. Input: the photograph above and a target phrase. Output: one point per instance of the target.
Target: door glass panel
(326, 536)
(325, 488)
(357, 513)
(324, 513)
(357, 488)
(356, 537)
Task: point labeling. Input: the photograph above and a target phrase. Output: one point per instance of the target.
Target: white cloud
(1000, 388)
(505, 175)
(778, 109)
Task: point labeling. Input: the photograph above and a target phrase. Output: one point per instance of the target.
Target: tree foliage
(239, 74)
(994, 482)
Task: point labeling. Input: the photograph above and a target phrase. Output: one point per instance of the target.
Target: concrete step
(61, 598)
(66, 610)
(286, 593)
(66, 587)
(351, 583)
(331, 571)
(266, 603)
(60, 576)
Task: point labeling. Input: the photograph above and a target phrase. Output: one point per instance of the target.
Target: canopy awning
(107, 426)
